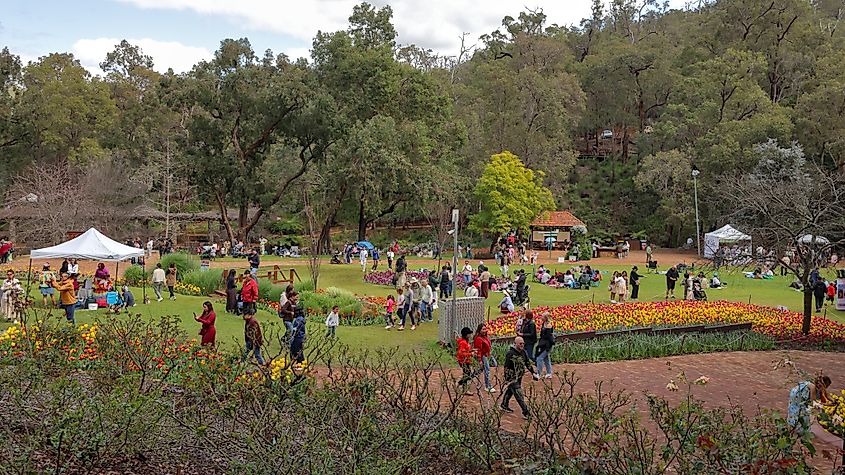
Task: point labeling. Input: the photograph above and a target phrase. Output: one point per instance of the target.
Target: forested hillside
(614, 113)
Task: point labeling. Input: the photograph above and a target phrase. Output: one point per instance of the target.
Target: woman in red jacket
(208, 332)
(482, 350)
(465, 358)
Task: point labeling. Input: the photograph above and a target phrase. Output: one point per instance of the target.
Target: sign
(840, 290)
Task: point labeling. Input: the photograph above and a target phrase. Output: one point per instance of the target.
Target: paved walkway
(747, 379)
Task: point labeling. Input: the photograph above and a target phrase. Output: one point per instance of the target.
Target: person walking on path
(67, 296)
(288, 313)
(363, 255)
(671, 279)
(516, 363)
(485, 283)
(649, 255)
(465, 356)
(408, 308)
(45, 280)
(820, 292)
(249, 293)
(390, 307)
(544, 347)
(467, 272)
(445, 282)
(158, 281)
(231, 292)
(297, 342)
(635, 283)
(390, 255)
(400, 307)
(416, 300)
(208, 332)
(528, 332)
(171, 280)
(252, 338)
(483, 348)
(376, 257)
(332, 321)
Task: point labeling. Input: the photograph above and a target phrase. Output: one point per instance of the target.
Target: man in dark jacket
(516, 362)
(288, 313)
(252, 338)
(635, 283)
(528, 332)
(254, 262)
(671, 278)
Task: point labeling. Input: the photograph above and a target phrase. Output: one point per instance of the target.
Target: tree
(511, 195)
(669, 175)
(787, 202)
(244, 113)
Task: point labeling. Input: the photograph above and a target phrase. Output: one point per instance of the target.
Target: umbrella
(366, 245)
(551, 239)
(808, 239)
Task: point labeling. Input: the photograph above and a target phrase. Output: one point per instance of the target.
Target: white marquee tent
(92, 245)
(727, 234)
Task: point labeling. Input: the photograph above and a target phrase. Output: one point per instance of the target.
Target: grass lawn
(230, 328)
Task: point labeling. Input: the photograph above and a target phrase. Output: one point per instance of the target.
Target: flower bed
(385, 277)
(782, 325)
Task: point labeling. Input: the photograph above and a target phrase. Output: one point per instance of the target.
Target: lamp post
(695, 174)
(455, 216)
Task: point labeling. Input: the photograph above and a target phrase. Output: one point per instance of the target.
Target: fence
(469, 313)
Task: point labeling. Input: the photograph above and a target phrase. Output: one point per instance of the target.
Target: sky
(179, 33)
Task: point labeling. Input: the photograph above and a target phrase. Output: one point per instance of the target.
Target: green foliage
(269, 291)
(185, 263)
(306, 285)
(134, 275)
(511, 195)
(321, 303)
(286, 227)
(208, 281)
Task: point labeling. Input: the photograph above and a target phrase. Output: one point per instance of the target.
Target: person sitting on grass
(128, 298)
(506, 305)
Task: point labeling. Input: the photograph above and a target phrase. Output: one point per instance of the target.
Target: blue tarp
(366, 245)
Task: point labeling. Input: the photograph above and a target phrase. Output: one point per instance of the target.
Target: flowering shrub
(187, 289)
(831, 415)
(782, 325)
(279, 369)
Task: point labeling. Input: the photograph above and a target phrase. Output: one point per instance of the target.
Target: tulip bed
(781, 325)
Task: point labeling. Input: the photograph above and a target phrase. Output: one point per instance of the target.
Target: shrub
(269, 291)
(184, 263)
(304, 286)
(207, 281)
(322, 302)
(286, 226)
(134, 275)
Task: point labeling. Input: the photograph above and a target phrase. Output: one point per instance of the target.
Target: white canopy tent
(727, 234)
(92, 245)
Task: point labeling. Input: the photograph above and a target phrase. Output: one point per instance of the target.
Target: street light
(695, 174)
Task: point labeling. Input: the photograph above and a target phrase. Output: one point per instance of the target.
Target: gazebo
(552, 226)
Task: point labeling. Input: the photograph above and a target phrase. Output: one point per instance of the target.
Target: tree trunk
(808, 310)
(362, 220)
(224, 217)
(243, 231)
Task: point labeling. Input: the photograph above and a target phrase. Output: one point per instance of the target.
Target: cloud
(165, 54)
(434, 24)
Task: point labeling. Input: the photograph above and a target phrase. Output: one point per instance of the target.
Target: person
(612, 286)
(465, 356)
(543, 353)
(252, 337)
(362, 254)
(390, 307)
(426, 302)
(63, 269)
(467, 272)
(506, 305)
(483, 348)
(231, 292)
(11, 291)
(297, 341)
(73, 267)
(128, 298)
(332, 321)
(390, 255)
(376, 258)
(45, 280)
(688, 294)
(207, 332)
(400, 307)
(715, 283)
(158, 280)
(288, 312)
(472, 289)
(401, 266)
(528, 332)
(171, 280)
(671, 278)
(254, 261)
(784, 265)
(820, 292)
(416, 299)
(831, 292)
(101, 273)
(635, 283)
(649, 254)
(516, 363)
(445, 282)
(801, 397)
(408, 308)
(262, 243)
(249, 293)
(485, 282)
(622, 287)
(595, 250)
(150, 244)
(67, 296)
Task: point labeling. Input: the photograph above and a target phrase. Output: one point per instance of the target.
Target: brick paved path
(748, 379)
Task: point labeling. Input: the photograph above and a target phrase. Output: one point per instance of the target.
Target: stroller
(698, 292)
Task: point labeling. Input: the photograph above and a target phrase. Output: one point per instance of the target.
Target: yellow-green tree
(511, 195)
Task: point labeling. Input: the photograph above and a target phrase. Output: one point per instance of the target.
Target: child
(388, 316)
(831, 291)
(332, 322)
(465, 356)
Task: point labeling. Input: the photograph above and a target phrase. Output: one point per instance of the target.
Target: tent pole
(116, 275)
(28, 278)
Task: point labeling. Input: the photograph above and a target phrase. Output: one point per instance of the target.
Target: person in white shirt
(158, 281)
(363, 255)
(73, 267)
(390, 256)
(332, 321)
(150, 245)
(545, 277)
(467, 272)
(472, 291)
(506, 305)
